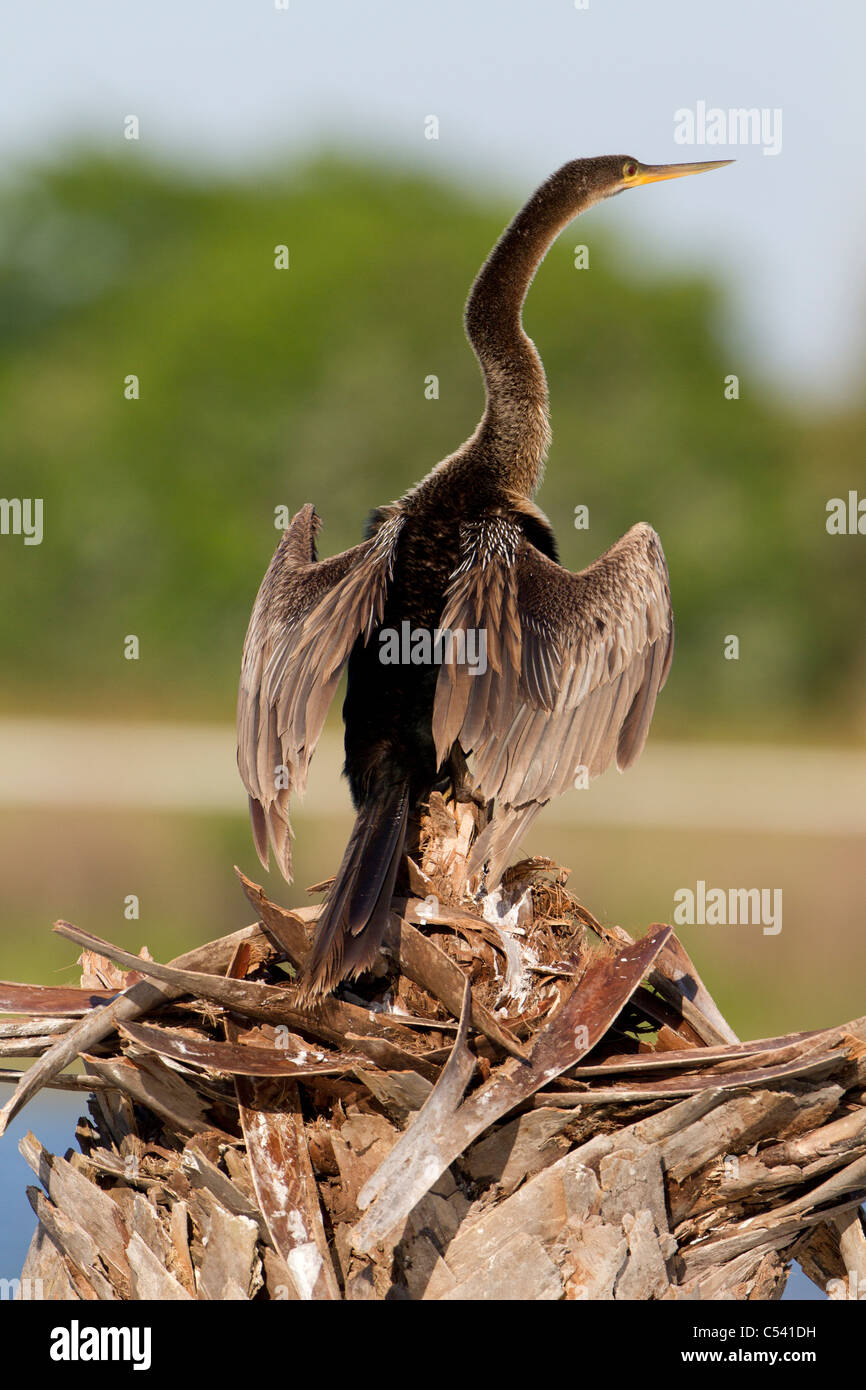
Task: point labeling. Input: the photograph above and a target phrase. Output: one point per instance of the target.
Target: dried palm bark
(515, 1103)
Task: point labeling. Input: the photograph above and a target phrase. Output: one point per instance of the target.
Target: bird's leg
(411, 848)
(462, 787)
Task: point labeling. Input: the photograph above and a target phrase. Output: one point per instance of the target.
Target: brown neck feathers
(514, 433)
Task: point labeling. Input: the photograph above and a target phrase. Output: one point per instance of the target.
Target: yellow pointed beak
(655, 173)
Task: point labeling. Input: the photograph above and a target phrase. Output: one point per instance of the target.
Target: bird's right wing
(307, 617)
(574, 665)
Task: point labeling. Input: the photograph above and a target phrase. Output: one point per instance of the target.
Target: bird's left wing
(307, 617)
(574, 663)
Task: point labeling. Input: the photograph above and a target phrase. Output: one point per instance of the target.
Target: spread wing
(574, 665)
(307, 617)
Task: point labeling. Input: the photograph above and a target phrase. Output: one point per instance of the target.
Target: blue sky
(519, 86)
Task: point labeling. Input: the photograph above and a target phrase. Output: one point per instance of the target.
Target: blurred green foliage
(262, 387)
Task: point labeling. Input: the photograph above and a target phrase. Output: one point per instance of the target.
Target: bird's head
(614, 173)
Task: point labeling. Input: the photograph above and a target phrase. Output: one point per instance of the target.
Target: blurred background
(307, 126)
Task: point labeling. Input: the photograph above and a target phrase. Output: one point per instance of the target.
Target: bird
(572, 662)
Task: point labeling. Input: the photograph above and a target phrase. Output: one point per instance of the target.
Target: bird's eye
(629, 170)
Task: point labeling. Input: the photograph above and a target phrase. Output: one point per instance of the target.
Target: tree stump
(517, 1102)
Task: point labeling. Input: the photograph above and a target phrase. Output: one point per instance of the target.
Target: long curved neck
(513, 436)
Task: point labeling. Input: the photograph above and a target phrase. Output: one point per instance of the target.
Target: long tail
(355, 916)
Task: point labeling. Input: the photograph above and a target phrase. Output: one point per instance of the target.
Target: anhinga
(574, 662)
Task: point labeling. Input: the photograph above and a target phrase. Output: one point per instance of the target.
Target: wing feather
(307, 617)
(575, 664)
